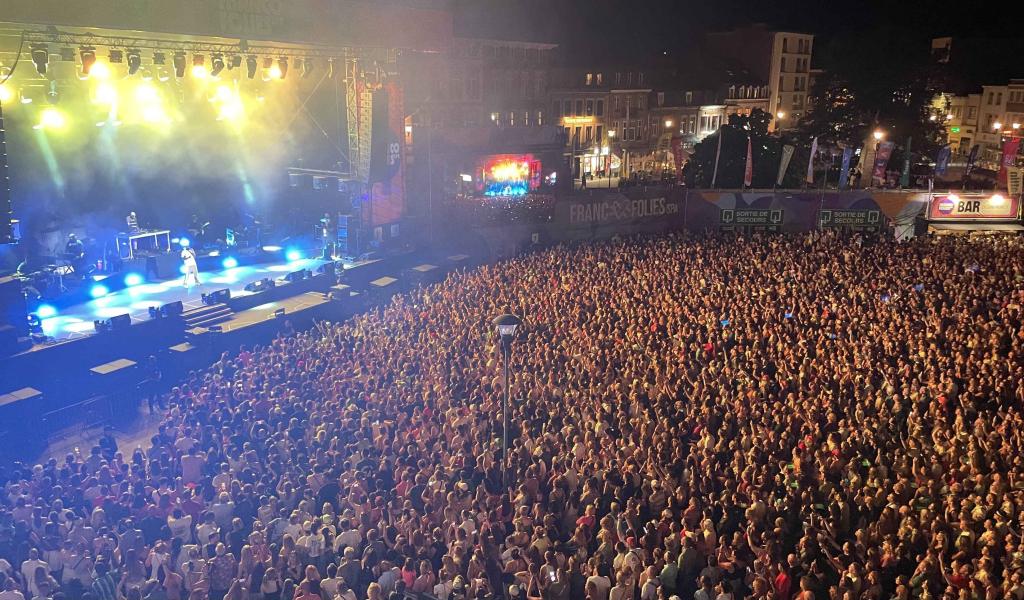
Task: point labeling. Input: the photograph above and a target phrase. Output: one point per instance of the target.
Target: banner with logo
(844, 168)
(1010, 148)
(881, 161)
(942, 161)
(810, 161)
(905, 174)
(748, 171)
(973, 207)
(787, 155)
(387, 196)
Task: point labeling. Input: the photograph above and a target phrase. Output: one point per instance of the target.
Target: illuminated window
(590, 107)
(540, 117)
(590, 78)
(600, 78)
(589, 133)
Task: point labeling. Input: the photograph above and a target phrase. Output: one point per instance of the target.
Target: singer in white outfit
(188, 255)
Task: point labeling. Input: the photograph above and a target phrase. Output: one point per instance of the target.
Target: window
(590, 107)
(579, 108)
(732, 92)
(590, 132)
(512, 119)
(600, 132)
(615, 103)
(689, 97)
(629, 78)
(661, 98)
(642, 103)
(600, 78)
(540, 117)
(990, 97)
(640, 79)
(576, 136)
(567, 108)
(782, 80)
(782, 66)
(599, 111)
(785, 45)
(618, 78)
(557, 106)
(999, 98)
(590, 78)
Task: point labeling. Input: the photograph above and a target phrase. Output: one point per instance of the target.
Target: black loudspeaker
(120, 322)
(217, 297)
(297, 275)
(173, 309)
(13, 311)
(260, 286)
(348, 235)
(163, 266)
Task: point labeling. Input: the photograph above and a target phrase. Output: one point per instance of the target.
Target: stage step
(207, 316)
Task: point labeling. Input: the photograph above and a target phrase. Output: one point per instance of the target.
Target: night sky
(606, 30)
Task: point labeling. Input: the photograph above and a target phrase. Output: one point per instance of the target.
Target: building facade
(986, 119)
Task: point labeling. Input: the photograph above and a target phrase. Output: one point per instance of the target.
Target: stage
(77, 321)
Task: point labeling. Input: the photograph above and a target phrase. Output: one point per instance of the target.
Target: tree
(766, 151)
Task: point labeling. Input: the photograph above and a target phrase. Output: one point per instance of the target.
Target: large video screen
(508, 175)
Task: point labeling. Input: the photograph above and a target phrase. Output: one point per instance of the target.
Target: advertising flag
(1014, 177)
(1010, 148)
(718, 154)
(881, 161)
(787, 155)
(844, 168)
(810, 161)
(971, 158)
(942, 161)
(677, 156)
(748, 172)
(905, 174)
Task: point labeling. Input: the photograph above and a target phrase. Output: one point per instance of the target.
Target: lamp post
(507, 325)
(611, 140)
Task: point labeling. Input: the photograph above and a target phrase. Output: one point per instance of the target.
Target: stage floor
(77, 321)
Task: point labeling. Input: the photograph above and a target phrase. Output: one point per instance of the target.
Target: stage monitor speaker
(172, 309)
(217, 297)
(260, 286)
(13, 311)
(328, 268)
(166, 265)
(297, 275)
(120, 322)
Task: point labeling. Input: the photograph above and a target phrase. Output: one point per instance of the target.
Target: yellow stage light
(199, 71)
(100, 70)
(275, 71)
(224, 93)
(154, 114)
(106, 93)
(146, 94)
(51, 118)
(6, 93)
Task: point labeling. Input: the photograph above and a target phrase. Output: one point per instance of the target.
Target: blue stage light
(185, 242)
(133, 279)
(272, 248)
(45, 311)
(293, 254)
(230, 262)
(98, 291)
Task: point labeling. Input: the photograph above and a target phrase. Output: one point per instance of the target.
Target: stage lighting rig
(67, 54)
(198, 66)
(179, 64)
(116, 56)
(234, 61)
(282, 65)
(88, 55)
(307, 67)
(159, 58)
(134, 61)
(216, 64)
(41, 57)
(251, 66)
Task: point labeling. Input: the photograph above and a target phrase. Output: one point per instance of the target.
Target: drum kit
(50, 276)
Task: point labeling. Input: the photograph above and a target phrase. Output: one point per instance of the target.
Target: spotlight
(185, 242)
(179, 64)
(106, 94)
(116, 56)
(88, 60)
(134, 61)
(6, 94)
(217, 65)
(159, 58)
(293, 255)
(250, 66)
(41, 57)
(235, 61)
(230, 262)
(133, 279)
(307, 67)
(51, 118)
(282, 66)
(146, 93)
(67, 54)
(271, 248)
(198, 66)
(101, 70)
(98, 291)
(45, 311)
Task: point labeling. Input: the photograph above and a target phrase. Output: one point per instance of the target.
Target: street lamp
(507, 325)
(878, 135)
(668, 123)
(611, 133)
(780, 115)
(997, 126)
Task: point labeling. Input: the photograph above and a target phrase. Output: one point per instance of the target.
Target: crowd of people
(784, 417)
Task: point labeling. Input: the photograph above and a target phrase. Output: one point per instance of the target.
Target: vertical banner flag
(1014, 177)
(810, 161)
(844, 168)
(748, 172)
(677, 156)
(1010, 148)
(942, 160)
(973, 156)
(905, 174)
(718, 154)
(787, 155)
(881, 161)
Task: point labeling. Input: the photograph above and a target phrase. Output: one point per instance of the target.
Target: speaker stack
(13, 315)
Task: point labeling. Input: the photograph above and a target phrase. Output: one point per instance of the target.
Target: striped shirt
(105, 587)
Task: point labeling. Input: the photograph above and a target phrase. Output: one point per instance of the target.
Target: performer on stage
(74, 252)
(188, 255)
(133, 222)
